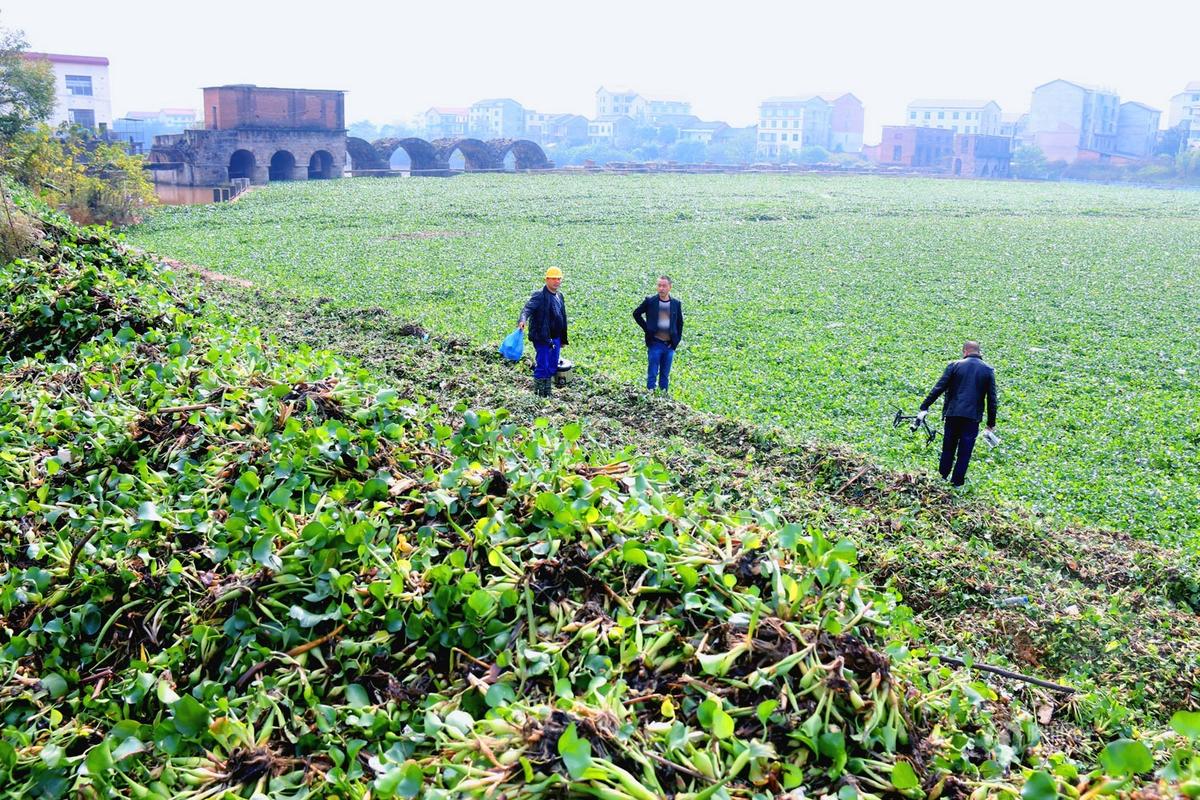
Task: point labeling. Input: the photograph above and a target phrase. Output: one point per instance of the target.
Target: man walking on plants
(660, 317)
(545, 317)
(968, 384)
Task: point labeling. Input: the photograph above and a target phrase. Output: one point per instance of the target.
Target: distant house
(497, 118)
(702, 131)
(789, 124)
(1185, 115)
(913, 146)
(627, 102)
(661, 108)
(81, 89)
(621, 103)
(445, 122)
(617, 131)
(1013, 126)
(978, 155)
(845, 123)
(960, 116)
(138, 128)
(1066, 118)
(1137, 129)
(566, 130)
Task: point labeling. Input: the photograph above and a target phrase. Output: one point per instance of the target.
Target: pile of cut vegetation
(231, 569)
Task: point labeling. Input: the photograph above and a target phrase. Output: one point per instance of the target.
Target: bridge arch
(476, 153)
(283, 166)
(528, 155)
(424, 158)
(363, 155)
(241, 164)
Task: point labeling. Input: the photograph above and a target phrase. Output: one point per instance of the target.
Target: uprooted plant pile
(228, 570)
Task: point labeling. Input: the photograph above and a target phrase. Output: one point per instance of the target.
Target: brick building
(258, 133)
(913, 146)
(979, 156)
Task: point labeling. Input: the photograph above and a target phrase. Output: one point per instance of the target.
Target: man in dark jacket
(967, 383)
(545, 316)
(660, 317)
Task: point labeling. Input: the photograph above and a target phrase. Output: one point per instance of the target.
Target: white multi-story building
(498, 118)
(626, 102)
(960, 116)
(1185, 110)
(81, 89)
(789, 124)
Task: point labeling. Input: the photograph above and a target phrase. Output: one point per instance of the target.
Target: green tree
(1030, 163)
(26, 87)
(92, 180)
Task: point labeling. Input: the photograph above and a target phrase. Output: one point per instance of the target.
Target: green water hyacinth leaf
(191, 718)
(903, 776)
(1040, 785)
(576, 753)
(1126, 757)
(1186, 723)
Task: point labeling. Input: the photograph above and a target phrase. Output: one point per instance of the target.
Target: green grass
(815, 304)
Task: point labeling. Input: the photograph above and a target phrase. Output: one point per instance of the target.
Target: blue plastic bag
(513, 345)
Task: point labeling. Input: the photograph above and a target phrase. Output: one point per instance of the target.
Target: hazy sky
(398, 58)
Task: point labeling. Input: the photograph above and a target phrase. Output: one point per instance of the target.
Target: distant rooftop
(828, 97)
(927, 102)
(1142, 105)
(273, 88)
(62, 58)
(449, 110)
(1085, 86)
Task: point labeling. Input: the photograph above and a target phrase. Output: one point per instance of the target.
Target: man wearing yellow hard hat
(545, 319)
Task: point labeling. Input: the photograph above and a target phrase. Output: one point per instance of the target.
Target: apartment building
(445, 122)
(496, 118)
(1185, 112)
(1068, 118)
(1137, 129)
(789, 124)
(961, 116)
(81, 89)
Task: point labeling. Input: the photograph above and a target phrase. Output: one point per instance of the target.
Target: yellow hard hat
(554, 272)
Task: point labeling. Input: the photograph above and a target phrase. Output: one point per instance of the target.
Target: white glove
(921, 415)
(991, 438)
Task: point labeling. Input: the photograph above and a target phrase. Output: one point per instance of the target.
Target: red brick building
(242, 106)
(977, 155)
(910, 146)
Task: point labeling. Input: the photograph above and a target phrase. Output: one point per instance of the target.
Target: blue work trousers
(659, 356)
(546, 361)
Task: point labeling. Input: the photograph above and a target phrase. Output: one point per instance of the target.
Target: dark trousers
(545, 363)
(659, 356)
(958, 437)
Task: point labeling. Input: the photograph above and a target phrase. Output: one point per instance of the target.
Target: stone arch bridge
(433, 158)
(215, 157)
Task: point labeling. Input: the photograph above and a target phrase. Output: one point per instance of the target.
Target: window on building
(79, 85)
(941, 115)
(912, 115)
(897, 153)
(926, 115)
(82, 116)
(795, 137)
(956, 115)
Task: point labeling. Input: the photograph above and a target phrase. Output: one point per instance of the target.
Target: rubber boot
(548, 389)
(541, 387)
